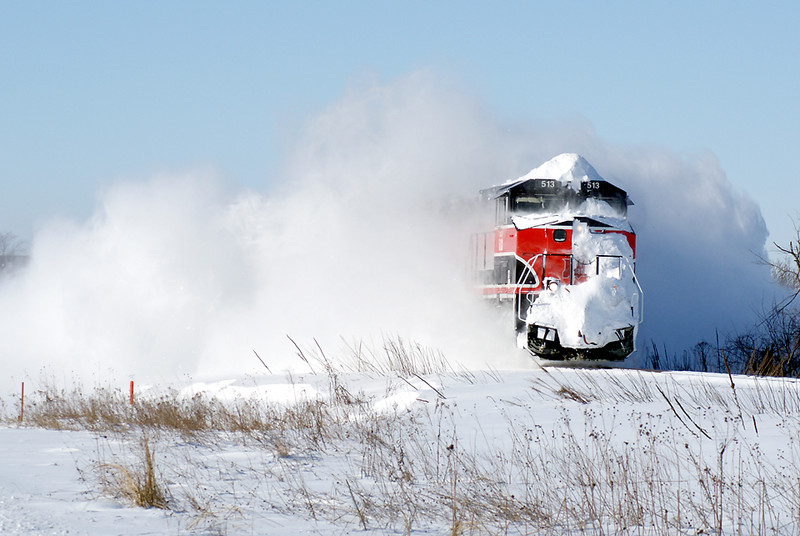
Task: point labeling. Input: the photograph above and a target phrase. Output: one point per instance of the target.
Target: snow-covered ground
(547, 451)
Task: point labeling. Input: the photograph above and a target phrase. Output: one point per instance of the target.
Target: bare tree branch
(785, 268)
(12, 249)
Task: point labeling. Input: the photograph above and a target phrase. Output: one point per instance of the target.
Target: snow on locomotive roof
(567, 168)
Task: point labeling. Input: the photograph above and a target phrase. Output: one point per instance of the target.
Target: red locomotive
(561, 258)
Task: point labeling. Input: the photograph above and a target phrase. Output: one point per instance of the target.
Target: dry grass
(681, 464)
(393, 356)
(137, 484)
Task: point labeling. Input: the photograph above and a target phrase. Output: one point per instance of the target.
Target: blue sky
(96, 91)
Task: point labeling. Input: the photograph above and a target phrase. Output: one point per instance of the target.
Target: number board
(594, 187)
(547, 185)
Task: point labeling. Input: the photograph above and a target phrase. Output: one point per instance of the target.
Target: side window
(559, 235)
(501, 210)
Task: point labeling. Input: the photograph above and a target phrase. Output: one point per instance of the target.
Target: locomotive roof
(565, 171)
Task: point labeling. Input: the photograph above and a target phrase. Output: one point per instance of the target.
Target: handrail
(641, 292)
(528, 268)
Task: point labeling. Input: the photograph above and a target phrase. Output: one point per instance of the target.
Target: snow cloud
(698, 246)
(363, 236)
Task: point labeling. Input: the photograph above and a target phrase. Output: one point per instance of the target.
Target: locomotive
(561, 260)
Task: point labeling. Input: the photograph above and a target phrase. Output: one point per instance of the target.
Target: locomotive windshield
(605, 191)
(541, 196)
(533, 197)
(542, 204)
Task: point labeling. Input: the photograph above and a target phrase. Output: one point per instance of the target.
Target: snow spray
(362, 235)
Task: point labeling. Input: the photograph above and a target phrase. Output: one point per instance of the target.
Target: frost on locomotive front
(561, 259)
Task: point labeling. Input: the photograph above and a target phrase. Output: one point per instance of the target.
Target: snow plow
(561, 260)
